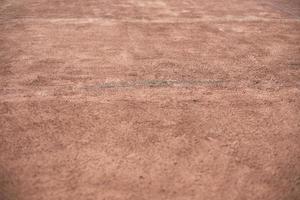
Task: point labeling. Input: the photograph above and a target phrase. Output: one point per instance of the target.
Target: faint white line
(166, 20)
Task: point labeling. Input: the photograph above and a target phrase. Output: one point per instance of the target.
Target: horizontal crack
(153, 83)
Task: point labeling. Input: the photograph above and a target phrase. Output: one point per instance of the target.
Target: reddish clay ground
(150, 99)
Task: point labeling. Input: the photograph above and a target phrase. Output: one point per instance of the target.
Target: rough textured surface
(149, 99)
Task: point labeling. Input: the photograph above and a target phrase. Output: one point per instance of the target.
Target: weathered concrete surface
(140, 99)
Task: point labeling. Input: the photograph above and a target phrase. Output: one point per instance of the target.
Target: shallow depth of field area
(149, 100)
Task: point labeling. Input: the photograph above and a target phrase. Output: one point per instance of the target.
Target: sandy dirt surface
(150, 99)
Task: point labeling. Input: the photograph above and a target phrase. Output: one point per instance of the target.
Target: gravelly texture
(140, 99)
